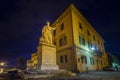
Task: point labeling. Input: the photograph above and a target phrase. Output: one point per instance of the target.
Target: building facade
(79, 48)
(32, 63)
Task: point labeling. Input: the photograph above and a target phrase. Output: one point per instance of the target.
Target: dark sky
(21, 22)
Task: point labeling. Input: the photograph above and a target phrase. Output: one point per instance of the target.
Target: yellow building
(29, 64)
(79, 47)
(34, 60)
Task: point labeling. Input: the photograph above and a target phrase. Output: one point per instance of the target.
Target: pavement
(100, 75)
(93, 75)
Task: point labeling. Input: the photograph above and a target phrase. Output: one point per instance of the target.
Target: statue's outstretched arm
(54, 28)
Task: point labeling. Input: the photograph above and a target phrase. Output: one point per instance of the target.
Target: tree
(21, 63)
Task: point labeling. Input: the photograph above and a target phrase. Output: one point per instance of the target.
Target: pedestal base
(49, 67)
(47, 57)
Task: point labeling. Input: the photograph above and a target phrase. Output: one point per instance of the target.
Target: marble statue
(47, 32)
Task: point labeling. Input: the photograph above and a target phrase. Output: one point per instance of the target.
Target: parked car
(108, 68)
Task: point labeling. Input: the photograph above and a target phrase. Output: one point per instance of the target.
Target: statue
(47, 34)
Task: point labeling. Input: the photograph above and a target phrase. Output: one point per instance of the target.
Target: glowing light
(2, 64)
(1, 70)
(87, 49)
(93, 48)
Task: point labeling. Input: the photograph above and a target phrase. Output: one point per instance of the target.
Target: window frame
(63, 59)
(80, 26)
(92, 60)
(63, 41)
(82, 40)
(83, 59)
(90, 44)
(62, 26)
(88, 32)
(54, 32)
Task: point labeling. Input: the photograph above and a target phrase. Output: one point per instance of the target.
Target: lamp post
(1, 67)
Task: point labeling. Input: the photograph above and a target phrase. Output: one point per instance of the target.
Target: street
(100, 75)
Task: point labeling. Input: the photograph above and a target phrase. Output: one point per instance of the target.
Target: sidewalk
(100, 75)
(93, 75)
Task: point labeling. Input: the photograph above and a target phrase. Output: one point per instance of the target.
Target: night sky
(21, 22)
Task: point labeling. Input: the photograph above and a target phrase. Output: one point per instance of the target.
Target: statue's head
(48, 23)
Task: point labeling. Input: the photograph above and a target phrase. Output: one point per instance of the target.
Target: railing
(97, 53)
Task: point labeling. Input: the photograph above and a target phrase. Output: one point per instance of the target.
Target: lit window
(63, 41)
(94, 47)
(62, 26)
(81, 40)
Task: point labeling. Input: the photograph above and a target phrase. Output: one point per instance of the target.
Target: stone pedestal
(47, 57)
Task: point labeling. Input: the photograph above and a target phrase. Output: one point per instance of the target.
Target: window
(98, 42)
(97, 62)
(89, 44)
(54, 32)
(81, 40)
(80, 25)
(63, 41)
(83, 59)
(101, 62)
(88, 33)
(78, 59)
(93, 37)
(91, 60)
(63, 59)
(62, 26)
(101, 44)
(54, 42)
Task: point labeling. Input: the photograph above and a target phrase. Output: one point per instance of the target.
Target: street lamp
(2, 64)
(1, 67)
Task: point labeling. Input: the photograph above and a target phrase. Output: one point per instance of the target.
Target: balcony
(97, 53)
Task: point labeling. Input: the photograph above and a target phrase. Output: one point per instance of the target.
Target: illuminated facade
(31, 64)
(28, 65)
(79, 47)
(34, 59)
